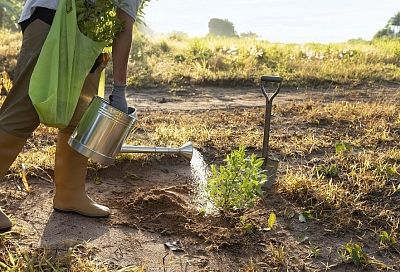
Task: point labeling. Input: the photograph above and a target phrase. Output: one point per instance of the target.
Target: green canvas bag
(63, 64)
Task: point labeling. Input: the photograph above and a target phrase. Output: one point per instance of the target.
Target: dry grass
(15, 257)
(9, 48)
(79, 258)
(339, 160)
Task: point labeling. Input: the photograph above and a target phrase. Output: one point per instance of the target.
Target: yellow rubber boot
(10, 146)
(70, 175)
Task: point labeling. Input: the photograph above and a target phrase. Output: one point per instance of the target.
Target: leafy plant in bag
(140, 14)
(97, 19)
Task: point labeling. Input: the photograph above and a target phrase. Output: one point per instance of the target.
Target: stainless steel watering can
(101, 133)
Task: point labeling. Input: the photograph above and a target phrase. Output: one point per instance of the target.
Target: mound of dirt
(159, 210)
(157, 200)
(169, 211)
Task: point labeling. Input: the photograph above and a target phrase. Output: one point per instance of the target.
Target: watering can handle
(272, 79)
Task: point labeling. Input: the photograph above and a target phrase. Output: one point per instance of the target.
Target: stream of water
(200, 172)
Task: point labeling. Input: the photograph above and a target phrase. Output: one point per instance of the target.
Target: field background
(177, 60)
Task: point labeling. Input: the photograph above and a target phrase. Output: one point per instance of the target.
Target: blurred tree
(394, 22)
(392, 28)
(221, 27)
(9, 13)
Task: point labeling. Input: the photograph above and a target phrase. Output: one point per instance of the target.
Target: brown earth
(152, 204)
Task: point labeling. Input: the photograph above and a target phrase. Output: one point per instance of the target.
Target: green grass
(177, 61)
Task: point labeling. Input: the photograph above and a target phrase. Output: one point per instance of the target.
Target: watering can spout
(185, 150)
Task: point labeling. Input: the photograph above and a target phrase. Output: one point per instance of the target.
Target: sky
(285, 21)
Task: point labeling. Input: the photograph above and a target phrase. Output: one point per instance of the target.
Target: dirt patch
(206, 98)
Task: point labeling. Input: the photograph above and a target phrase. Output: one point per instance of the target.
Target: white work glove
(118, 99)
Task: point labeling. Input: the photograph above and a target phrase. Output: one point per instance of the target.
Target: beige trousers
(18, 117)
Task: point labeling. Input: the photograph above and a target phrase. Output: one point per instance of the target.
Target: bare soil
(152, 204)
(205, 98)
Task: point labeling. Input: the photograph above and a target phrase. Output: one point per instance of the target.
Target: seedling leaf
(271, 220)
(341, 147)
(356, 254)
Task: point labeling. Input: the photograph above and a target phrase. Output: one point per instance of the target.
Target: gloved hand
(118, 99)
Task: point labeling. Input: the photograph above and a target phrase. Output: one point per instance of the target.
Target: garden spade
(270, 165)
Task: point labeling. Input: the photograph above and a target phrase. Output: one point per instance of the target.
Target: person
(18, 118)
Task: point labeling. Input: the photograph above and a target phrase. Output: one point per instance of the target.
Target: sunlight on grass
(315, 192)
(17, 257)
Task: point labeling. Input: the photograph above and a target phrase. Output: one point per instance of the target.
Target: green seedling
(237, 184)
(355, 253)
(342, 147)
(386, 239)
(306, 215)
(315, 251)
(329, 171)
